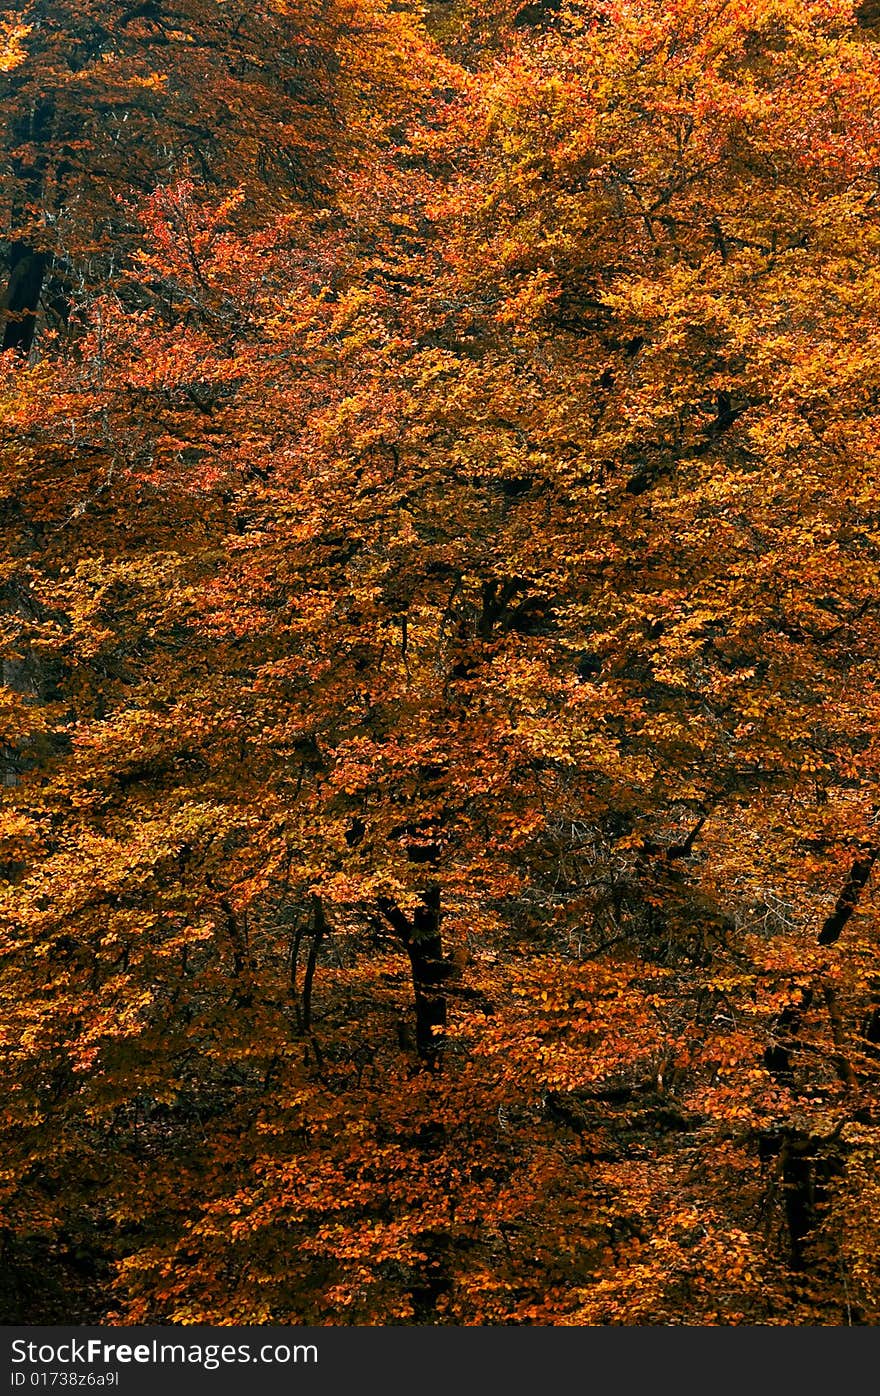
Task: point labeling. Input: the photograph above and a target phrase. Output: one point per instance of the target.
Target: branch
(849, 897)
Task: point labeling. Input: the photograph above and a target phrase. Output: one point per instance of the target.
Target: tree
(442, 833)
(105, 103)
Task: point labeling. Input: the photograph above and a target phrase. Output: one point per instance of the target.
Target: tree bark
(849, 897)
(27, 270)
(423, 943)
(27, 264)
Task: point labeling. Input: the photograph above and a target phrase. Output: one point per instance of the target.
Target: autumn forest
(439, 626)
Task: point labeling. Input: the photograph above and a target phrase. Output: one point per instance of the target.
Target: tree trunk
(27, 269)
(423, 943)
(849, 897)
(429, 970)
(27, 264)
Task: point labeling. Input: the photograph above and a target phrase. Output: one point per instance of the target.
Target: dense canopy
(441, 709)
